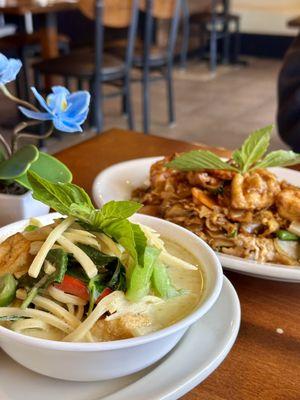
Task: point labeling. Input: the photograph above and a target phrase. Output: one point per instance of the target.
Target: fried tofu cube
(125, 327)
(14, 254)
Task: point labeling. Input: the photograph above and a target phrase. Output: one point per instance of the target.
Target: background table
(263, 364)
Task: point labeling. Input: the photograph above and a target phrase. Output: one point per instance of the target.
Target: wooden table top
(21, 7)
(263, 364)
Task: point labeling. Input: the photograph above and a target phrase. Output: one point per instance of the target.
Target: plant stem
(18, 134)
(24, 103)
(5, 146)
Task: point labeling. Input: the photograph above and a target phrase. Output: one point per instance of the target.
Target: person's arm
(288, 113)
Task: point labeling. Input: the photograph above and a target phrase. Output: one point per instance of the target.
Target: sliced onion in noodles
(108, 303)
(289, 250)
(56, 310)
(66, 298)
(30, 323)
(38, 314)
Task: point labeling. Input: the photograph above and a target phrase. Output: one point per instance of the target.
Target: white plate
(198, 354)
(118, 181)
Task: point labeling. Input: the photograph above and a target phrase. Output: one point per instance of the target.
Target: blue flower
(9, 69)
(67, 111)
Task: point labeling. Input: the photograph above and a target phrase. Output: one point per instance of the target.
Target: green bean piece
(8, 287)
(286, 235)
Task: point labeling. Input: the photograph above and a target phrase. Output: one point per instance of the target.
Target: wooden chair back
(116, 13)
(161, 9)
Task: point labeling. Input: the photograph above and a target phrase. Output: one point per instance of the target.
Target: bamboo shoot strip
(85, 261)
(39, 259)
(42, 315)
(101, 308)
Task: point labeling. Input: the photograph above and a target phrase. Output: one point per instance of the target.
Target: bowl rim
(184, 323)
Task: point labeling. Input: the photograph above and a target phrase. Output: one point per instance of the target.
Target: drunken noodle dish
(237, 206)
(92, 275)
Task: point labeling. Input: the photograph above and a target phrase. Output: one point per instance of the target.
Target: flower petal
(78, 103)
(35, 115)
(10, 71)
(60, 89)
(40, 99)
(59, 103)
(66, 126)
(79, 118)
(56, 99)
(3, 62)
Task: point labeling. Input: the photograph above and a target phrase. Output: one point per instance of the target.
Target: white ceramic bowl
(107, 360)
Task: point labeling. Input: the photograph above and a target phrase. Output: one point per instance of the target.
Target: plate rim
(97, 199)
(279, 272)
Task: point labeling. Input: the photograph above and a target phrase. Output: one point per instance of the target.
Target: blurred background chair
(6, 29)
(155, 61)
(216, 23)
(151, 58)
(93, 64)
(24, 45)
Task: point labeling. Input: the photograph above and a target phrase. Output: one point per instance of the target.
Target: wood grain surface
(263, 364)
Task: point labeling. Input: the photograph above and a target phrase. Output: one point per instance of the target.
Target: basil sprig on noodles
(249, 157)
(111, 219)
(71, 200)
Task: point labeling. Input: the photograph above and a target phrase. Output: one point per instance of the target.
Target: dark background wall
(269, 46)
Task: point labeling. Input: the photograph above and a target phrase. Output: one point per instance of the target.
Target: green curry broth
(191, 281)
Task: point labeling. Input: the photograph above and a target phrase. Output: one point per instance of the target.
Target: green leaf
(253, 148)
(112, 211)
(59, 196)
(140, 279)
(49, 168)
(118, 209)
(19, 163)
(71, 200)
(114, 279)
(112, 220)
(129, 235)
(84, 213)
(237, 157)
(140, 242)
(59, 259)
(118, 279)
(95, 287)
(76, 270)
(122, 232)
(279, 158)
(99, 259)
(197, 160)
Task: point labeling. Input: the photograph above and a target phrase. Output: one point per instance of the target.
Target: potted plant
(62, 110)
